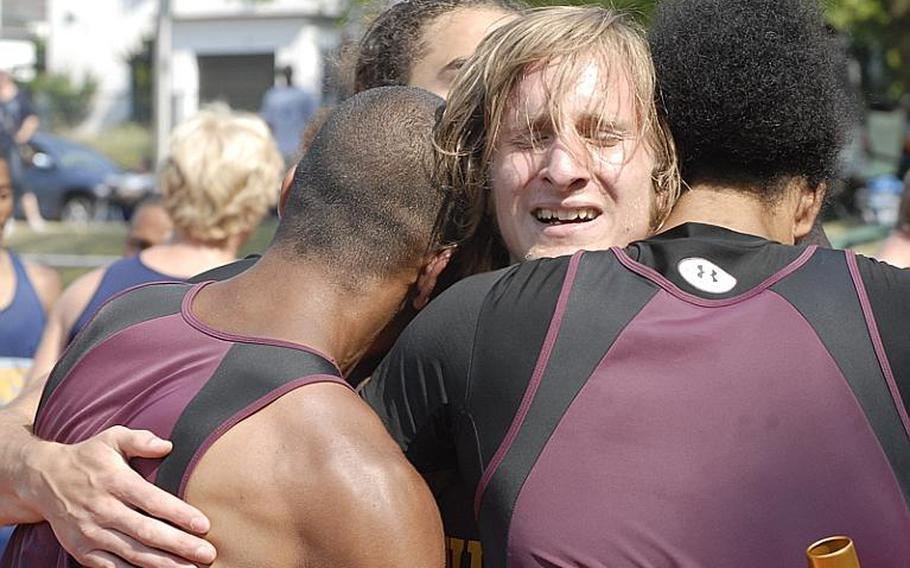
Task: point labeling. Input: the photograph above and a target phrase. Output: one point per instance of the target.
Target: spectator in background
(287, 109)
(149, 226)
(896, 249)
(27, 292)
(221, 175)
(18, 123)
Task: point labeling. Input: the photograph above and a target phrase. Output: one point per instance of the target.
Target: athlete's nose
(565, 168)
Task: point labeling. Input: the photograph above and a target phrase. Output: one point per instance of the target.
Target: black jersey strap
(837, 317)
(600, 285)
(248, 372)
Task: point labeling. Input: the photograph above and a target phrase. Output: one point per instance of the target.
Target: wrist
(34, 457)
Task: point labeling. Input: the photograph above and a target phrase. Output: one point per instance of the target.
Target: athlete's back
(705, 398)
(289, 476)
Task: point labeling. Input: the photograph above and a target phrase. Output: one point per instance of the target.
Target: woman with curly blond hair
(221, 175)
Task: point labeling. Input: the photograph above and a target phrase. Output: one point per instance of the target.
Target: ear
(426, 281)
(286, 185)
(807, 210)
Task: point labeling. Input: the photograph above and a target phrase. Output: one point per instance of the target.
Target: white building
(21, 21)
(222, 49)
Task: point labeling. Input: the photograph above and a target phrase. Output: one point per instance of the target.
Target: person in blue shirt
(287, 109)
(27, 292)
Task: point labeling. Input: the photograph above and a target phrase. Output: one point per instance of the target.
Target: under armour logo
(704, 275)
(701, 273)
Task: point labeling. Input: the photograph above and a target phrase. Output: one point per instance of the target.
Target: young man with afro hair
(711, 396)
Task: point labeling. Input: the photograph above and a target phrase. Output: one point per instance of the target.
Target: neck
(732, 209)
(184, 257)
(300, 302)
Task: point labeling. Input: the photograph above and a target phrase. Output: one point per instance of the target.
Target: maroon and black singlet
(703, 398)
(146, 362)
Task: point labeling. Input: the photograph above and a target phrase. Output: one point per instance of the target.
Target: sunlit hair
(562, 40)
(221, 175)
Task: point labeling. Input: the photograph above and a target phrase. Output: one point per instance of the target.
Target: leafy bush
(61, 102)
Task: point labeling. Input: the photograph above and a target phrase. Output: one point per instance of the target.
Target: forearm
(20, 452)
(28, 129)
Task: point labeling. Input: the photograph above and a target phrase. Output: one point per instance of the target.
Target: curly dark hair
(394, 39)
(753, 90)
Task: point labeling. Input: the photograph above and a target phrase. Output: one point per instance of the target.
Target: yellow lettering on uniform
(476, 553)
(455, 546)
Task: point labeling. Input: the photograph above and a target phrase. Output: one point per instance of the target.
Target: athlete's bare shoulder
(46, 281)
(314, 479)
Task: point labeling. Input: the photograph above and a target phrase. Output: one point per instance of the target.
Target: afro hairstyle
(754, 90)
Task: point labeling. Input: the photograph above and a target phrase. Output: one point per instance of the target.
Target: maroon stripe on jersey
(737, 443)
(672, 288)
(135, 378)
(533, 383)
(877, 340)
(248, 411)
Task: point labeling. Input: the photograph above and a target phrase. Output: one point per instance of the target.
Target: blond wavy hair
(562, 40)
(222, 173)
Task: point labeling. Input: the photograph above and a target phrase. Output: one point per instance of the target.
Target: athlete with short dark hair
(289, 476)
(711, 396)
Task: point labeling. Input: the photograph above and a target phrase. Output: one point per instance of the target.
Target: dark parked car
(78, 184)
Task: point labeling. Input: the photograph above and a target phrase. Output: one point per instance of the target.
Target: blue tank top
(21, 325)
(121, 275)
(22, 321)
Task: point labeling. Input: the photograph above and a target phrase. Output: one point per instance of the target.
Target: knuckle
(108, 480)
(88, 532)
(146, 533)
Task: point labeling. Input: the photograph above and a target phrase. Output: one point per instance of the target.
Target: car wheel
(78, 209)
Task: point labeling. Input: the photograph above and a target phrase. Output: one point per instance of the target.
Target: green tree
(65, 102)
(879, 34)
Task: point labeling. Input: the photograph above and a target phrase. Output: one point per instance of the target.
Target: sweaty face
(6, 195)
(586, 185)
(449, 40)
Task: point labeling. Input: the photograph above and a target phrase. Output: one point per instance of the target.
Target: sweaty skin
(366, 506)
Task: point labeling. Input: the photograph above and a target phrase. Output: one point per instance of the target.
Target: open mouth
(565, 216)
